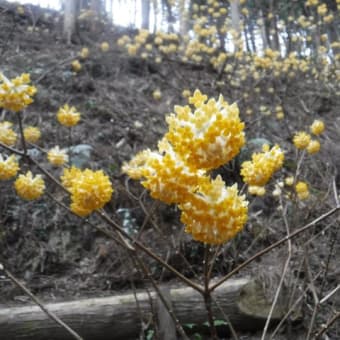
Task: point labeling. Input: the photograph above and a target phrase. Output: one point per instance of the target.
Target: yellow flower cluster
(176, 173)
(7, 135)
(157, 94)
(84, 53)
(303, 140)
(57, 156)
(318, 127)
(215, 213)
(90, 190)
(16, 94)
(32, 134)
(104, 46)
(8, 167)
(165, 174)
(68, 116)
(311, 2)
(302, 191)
(29, 187)
(76, 66)
(210, 136)
(260, 169)
(322, 9)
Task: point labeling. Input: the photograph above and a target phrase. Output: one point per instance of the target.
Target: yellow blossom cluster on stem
(215, 213)
(7, 135)
(200, 139)
(302, 190)
(68, 116)
(29, 187)
(263, 165)
(9, 167)
(209, 136)
(57, 156)
(302, 140)
(16, 94)
(32, 134)
(90, 190)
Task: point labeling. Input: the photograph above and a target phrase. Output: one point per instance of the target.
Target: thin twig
(327, 326)
(285, 270)
(207, 293)
(50, 314)
(273, 246)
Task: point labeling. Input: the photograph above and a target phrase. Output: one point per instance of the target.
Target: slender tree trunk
(96, 7)
(252, 36)
(247, 39)
(263, 31)
(276, 40)
(155, 15)
(235, 21)
(183, 17)
(169, 16)
(235, 15)
(70, 17)
(145, 14)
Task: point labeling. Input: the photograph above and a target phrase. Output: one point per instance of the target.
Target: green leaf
(220, 323)
(149, 335)
(189, 325)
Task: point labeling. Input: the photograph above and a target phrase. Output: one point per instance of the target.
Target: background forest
(170, 169)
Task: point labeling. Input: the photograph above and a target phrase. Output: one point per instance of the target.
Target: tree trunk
(235, 15)
(119, 317)
(183, 18)
(145, 14)
(263, 31)
(96, 7)
(70, 17)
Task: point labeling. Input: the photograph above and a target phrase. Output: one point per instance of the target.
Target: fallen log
(119, 317)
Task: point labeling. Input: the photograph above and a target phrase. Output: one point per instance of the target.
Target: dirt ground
(59, 257)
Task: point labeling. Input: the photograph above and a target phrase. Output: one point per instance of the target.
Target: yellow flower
(165, 174)
(104, 46)
(69, 176)
(8, 167)
(57, 156)
(20, 10)
(322, 9)
(90, 191)
(317, 127)
(29, 187)
(215, 214)
(210, 136)
(260, 169)
(7, 135)
(301, 140)
(302, 190)
(280, 115)
(198, 98)
(84, 53)
(68, 116)
(313, 147)
(32, 134)
(186, 93)
(76, 65)
(289, 181)
(157, 94)
(256, 190)
(16, 94)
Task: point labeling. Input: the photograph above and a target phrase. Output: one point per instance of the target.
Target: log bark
(117, 317)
